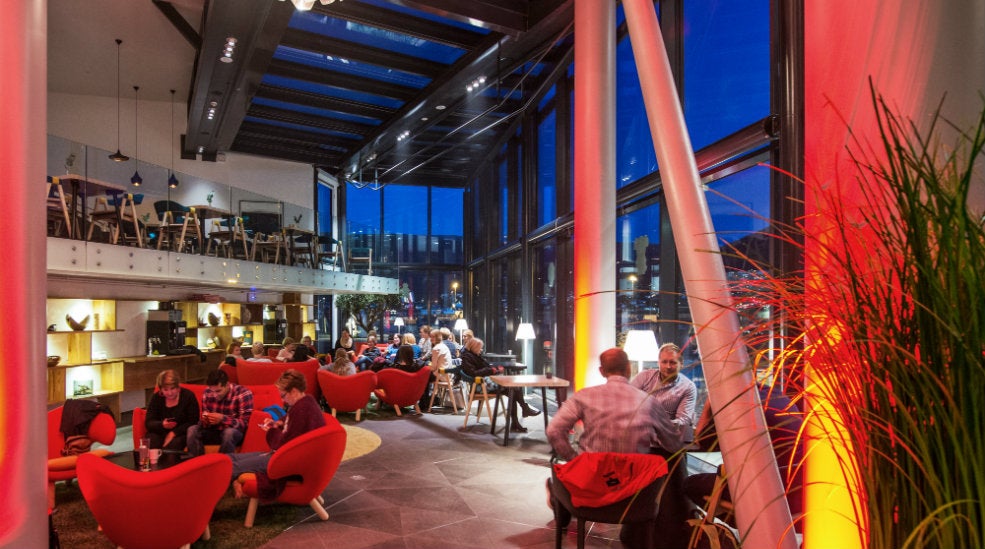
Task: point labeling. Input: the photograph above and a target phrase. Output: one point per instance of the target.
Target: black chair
(638, 509)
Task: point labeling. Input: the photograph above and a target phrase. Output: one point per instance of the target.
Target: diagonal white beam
(754, 481)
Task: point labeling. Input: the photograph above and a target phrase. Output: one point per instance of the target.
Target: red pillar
(23, 451)
(595, 187)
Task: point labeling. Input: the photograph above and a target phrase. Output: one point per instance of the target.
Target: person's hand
(267, 424)
(169, 423)
(168, 438)
(212, 418)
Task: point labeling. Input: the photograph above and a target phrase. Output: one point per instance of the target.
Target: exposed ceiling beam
(419, 27)
(503, 16)
(186, 30)
(287, 95)
(315, 75)
(311, 42)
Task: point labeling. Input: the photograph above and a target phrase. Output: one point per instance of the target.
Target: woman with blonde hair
(409, 339)
(171, 411)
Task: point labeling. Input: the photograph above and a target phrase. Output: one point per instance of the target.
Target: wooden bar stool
(58, 215)
(479, 394)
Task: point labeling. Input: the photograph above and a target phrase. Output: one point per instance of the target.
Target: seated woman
(409, 339)
(474, 365)
(306, 341)
(234, 351)
(391, 351)
(341, 366)
(370, 354)
(171, 411)
(345, 342)
(287, 352)
(259, 353)
(301, 354)
(303, 415)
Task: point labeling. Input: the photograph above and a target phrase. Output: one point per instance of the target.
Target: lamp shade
(641, 345)
(525, 331)
(399, 321)
(461, 324)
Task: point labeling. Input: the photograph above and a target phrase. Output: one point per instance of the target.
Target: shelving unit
(231, 325)
(83, 372)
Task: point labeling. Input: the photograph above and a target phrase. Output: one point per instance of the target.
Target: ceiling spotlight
(227, 51)
(440, 107)
(303, 5)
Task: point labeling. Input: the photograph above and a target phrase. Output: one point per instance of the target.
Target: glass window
(634, 148)
(638, 269)
(726, 67)
(447, 225)
(544, 313)
(503, 184)
(546, 158)
(362, 209)
(405, 224)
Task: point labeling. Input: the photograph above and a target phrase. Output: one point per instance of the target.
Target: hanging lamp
(135, 178)
(172, 180)
(118, 156)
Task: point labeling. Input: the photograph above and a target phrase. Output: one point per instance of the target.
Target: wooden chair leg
(207, 534)
(251, 512)
(333, 413)
(319, 509)
(358, 412)
(397, 409)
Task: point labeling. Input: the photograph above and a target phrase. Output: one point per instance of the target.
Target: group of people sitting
(175, 421)
(290, 351)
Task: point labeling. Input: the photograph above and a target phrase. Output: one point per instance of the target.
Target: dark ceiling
(372, 91)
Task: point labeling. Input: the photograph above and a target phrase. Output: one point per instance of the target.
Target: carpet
(77, 528)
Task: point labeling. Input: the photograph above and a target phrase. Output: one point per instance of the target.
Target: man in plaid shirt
(226, 411)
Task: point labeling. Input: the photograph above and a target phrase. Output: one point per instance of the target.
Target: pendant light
(118, 156)
(135, 178)
(172, 180)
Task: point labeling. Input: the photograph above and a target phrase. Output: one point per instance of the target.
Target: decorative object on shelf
(82, 387)
(53, 360)
(246, 315)
(213, 319)
(229, 319)
(212, 342)
(52, 328)
(209, 197)
(76, 325)
(297, 219)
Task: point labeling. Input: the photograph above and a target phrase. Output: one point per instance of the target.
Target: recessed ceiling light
(440, 107)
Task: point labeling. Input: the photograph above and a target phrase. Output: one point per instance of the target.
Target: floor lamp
(525, 333)
(399, 323)
(640, 346)
(460, 326)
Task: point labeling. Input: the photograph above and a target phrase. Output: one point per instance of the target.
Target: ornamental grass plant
(886, 327)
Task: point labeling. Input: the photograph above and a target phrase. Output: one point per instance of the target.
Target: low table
(559, 385)
(131, 460)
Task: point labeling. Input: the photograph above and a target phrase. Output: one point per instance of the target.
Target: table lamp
(525, 333)
(640, 346)
(460, 326)
(399, 323)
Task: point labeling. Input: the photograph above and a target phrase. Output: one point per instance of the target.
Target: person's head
(371, 340)
(306, 340)
(289, 343)
(409, 339)
(235, 349)
(466, 336)
(474, 345)
(345, 336)
(395, 340)
(425, 332)
(405, 355)
(436, 337)
(341, 355)
(257, 349)
(167, 383)
(670, 360)
(218, 382)
(301, 353)
(445, 333)
(614, 362)
(291, 385)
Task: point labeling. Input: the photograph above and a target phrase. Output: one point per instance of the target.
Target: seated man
(303, 415)
(617, 417)
(226, 410)
(783, 420)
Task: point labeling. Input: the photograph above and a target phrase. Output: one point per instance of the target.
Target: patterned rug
(359, 442)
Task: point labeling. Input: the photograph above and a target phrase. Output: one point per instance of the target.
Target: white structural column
(23, 393)
(595, 188)
(754, 482)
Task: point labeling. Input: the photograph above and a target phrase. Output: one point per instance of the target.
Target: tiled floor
(433, 484)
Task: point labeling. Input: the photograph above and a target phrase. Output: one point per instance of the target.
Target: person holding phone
(171, 411)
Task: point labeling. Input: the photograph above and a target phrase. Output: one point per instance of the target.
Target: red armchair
(101, 430)
(347, 393)
(401, 389)
(230, 372)
(310, 460)
(266, 373)
(154, 510)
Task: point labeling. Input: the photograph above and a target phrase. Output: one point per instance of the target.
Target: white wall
(92, 120)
